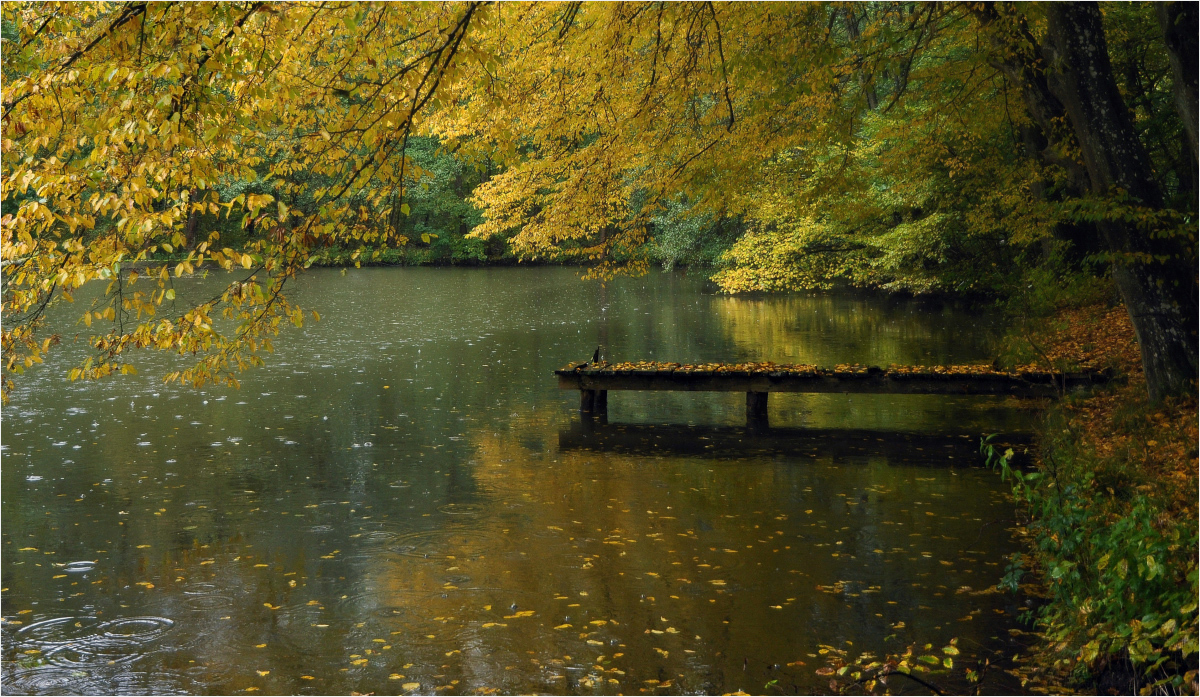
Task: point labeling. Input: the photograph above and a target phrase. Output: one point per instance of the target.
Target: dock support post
(756, 408)
(587, 401)
(601, 403)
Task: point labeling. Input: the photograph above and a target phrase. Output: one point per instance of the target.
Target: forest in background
(1039, 156)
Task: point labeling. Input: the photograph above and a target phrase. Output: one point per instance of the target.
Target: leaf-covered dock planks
(771, 377)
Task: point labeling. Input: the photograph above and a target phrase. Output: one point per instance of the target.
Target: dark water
(402, 501)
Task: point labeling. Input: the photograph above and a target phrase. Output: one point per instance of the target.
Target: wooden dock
(758, 380)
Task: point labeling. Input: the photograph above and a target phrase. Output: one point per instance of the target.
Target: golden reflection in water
(586, 576)
(828, 329)
(574, 570)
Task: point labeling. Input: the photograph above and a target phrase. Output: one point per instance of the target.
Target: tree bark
(1048, 139)
(1161, 301)
(1180, 26)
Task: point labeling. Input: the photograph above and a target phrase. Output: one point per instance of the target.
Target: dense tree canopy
(911, 146)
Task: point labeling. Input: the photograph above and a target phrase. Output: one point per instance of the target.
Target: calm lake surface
(402, 501)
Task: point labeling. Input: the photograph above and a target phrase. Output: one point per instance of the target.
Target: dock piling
(756, 408)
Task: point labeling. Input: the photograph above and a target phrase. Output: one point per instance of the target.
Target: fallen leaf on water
(522, 613)
(563, 626)
(411, 686)
(263, 673)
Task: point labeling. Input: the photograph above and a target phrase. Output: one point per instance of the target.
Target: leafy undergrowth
(1094, 337)
(1112, 522)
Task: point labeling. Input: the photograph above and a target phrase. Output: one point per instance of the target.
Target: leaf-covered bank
(1111, 529)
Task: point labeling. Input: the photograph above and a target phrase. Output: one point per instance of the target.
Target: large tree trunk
(1160, 300)
(1180, 25)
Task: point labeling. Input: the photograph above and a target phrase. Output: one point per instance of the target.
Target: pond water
(401, 501)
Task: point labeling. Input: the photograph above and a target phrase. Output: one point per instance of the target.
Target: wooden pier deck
(758, 380)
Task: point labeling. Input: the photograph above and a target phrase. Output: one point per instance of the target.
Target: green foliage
(1119, 569)
(870, 673)
(685, 237)
(439, 213)
(931, 196)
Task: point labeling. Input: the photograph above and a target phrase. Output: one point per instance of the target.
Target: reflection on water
(928, 449)
(403, 502)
